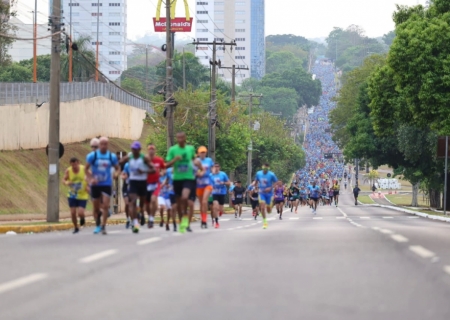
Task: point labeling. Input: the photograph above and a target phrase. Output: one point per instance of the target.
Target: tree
(282, 100)
(281, 61)
(43, 67)
(83, 61)
(15, 73)
(389, 37)
(6, 28)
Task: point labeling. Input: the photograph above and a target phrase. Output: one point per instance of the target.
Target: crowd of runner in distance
(152, 184)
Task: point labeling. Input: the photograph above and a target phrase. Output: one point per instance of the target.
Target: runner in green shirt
(182, 157)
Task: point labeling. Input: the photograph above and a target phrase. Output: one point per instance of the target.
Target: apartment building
(81, 16)
(229, 20)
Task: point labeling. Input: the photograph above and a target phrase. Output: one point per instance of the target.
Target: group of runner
(150, 183)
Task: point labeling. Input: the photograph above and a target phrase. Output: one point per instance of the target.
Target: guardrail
(19, 93)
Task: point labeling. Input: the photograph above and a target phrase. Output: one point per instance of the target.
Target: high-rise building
(80, 18)
(230, 20)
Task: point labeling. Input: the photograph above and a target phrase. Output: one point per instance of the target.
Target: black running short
(138, 187)
(97, 191)
(179, 185)
(314, 199)
(279, 201)
(336, 193)
(220, 198)
(238, 201)
(255, 204)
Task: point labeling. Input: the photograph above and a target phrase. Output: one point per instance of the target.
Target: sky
(310, 19)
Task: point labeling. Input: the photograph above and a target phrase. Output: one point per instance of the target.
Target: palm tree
(83, 61)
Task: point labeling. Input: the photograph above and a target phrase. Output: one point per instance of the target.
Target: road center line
(447, 269)
(364, 217)
(421, 251)
(388, 217)
(340, 217)
(413, 217)
(295, 218)
(386, 231)
(147, 241)
(224, 220)
(98, 256)
(399, 238)
(317, 218)
(22, 282)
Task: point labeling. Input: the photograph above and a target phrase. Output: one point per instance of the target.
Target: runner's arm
(171, 162)
(66, 178)
(124, 159)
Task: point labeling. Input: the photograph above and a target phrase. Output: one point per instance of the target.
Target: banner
(176, 24)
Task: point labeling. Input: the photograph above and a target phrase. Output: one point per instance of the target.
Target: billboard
(177, 24)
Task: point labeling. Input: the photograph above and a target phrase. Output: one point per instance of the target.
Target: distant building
(228, 20)
(80, 16)
(23, 50)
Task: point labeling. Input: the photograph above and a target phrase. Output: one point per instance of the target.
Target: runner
(331, 195)
(356, 191)
(204, 186)
(303, 196)
(345, 184)
(231, 197)
(139, 166)
(286, 196)
(99, 177)
(252, 191)
(94, 146)
(220, 181)
(279, 198)
(78, 195)
(238, 194)
(266, 180)
(181, 157)
(336, 188)
(173, 201)
(125, 186)
(314, 191)
(164, 198)
(294, 193)
(153, 187)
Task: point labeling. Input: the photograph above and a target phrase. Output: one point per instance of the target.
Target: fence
(20, 93)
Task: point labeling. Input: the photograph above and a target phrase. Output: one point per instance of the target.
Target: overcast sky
(311, 19)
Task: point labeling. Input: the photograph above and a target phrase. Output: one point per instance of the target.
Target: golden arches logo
(173, 5)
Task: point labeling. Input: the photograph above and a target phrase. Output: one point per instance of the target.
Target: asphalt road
(345, 263)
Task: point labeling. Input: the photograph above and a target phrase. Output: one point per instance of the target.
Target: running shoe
(76, 230)
(142, 219)
(204, 225)
(161, 224)
(235, 215)
(104, 231)
(292, 208)
(281, 218)
(97, 230)
(265, 225)
(150, 224)
(216, 225)
(167, 227)
(82, 221)
(174, 227)
(136, 229)
(184, 224)
(188, 229)
(127, 225)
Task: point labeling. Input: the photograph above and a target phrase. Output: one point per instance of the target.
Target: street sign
(177, 24)
(61, 150)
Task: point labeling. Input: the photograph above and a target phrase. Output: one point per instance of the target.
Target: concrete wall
(25, 126)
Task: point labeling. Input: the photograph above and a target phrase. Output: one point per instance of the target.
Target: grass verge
(365, 200)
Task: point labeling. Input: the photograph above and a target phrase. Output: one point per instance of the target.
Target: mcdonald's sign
(176, 24)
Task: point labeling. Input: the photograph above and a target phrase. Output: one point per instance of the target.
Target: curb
(420, 214)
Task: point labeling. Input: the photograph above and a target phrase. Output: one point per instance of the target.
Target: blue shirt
(266, 180)
(217, 180)
(169, 175)
(204, 180)
(314, 191)
(101, 164)
(126, 169)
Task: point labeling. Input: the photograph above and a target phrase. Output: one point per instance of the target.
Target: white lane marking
(421, 251)
(98, 256)
(386, 231)
(259, 222)
(229, 229)
(147, 241)
(340, 217)
(295, 218)
(247, 219)
(388, 217)
(116, 231)
(224, 220)
(177, 234)
(399, 238)
(343, 213)
(447, 269)
(375, 228)
(239, 227)
(247, 226)
(317, 218)
(364, 217)
(270, 219)
(21, 282)
(413, 217)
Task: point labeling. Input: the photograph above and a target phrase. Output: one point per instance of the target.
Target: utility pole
(35, 42)
(146, 68)
(233, 80)
(70, 45)
(212, 106)
(169, 78)
(96, 47)
(184, 72)
(53, 132)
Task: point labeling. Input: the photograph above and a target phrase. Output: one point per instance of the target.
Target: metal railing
(19, 93)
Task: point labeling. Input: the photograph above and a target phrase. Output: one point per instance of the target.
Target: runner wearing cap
(139, 166)
(204, 186)
(153, 185)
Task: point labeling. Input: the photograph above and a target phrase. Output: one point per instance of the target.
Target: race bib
(152, 186)
(239, 196)
(183, 168)
(101, 177)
